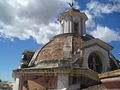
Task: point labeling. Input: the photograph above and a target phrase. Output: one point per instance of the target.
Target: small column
(65, 27)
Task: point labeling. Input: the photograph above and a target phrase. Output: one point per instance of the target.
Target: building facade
(4, 85)
(71, 60)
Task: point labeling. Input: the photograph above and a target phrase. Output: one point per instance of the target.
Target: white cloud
(95, 9)
(30, 18)
(36, 18)
(90, 23)
(41, 34)
(6, 12)
(106, 34)
(46, 32)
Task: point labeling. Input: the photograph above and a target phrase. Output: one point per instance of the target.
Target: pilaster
(63, 82)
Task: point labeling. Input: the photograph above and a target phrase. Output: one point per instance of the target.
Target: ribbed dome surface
(54, 50)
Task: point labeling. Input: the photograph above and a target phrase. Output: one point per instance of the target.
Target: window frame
(95, 63)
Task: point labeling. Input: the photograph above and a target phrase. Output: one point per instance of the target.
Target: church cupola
(73, 21)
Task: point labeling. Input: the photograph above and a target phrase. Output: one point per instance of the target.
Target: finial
(71, 4)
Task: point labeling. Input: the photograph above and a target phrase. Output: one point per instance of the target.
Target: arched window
(94, 62)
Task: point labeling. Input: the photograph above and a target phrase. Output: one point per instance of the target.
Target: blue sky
(28, 24)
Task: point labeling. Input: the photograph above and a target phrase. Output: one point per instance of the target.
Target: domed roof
(54, 50)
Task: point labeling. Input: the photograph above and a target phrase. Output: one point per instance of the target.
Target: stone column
(67, 48)
(63, 82)
(17, 83)
(64, 26)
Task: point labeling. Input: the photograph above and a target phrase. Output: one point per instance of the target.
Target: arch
(94, 62)
(103, 54)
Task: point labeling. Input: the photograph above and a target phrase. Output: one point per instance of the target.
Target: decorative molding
(98, 42)
(56, 72)
(72, 13)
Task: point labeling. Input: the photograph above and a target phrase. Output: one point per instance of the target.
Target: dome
(65, 45)
(55, 49)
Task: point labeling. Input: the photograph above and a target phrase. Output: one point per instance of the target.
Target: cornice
(72, 13)
(55, 72)
(98, 42)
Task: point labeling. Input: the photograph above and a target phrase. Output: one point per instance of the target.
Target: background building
(4, 85)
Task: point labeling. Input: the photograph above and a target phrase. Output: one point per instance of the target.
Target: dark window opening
(113, 65)
(76, 27)
(74, 80)
(83, 86)
(94, 62)
(25, 83)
